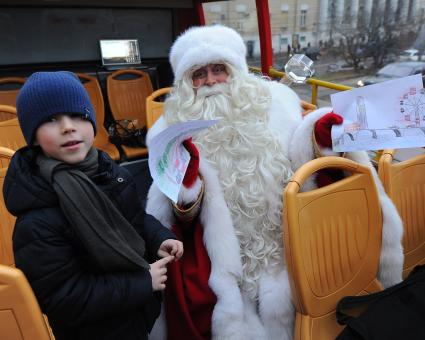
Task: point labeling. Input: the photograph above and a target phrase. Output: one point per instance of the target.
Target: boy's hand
(192, 169)
(158, 273)
(322, 129)
(171, 247)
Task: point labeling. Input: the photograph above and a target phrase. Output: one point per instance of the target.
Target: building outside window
(303, 18)
(303, 15)
(298, 24)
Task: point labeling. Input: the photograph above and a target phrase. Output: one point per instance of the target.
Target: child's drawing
(385, 115)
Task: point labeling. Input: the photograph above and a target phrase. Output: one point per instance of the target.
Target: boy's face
(67, 138)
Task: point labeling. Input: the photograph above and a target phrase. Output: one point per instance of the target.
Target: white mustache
(208, 91)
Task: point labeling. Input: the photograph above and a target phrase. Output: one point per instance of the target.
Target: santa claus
(232, 282)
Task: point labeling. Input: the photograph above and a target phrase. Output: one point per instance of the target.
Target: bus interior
(50, 35)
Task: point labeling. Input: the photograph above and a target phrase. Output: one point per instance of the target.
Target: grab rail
(313, 82)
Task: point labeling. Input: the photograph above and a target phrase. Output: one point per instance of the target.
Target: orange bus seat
(154, 108)
(127, 93)
(101, 140)
(7, 112)
(20, 314)
(11, 135)
(9, 89)
(404, 183)
(307, 107)
(332, 238)
(5, 156)
(7, 223)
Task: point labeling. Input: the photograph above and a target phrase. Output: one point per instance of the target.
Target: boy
(81, 236)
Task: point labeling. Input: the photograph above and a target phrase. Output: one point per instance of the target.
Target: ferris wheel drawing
(412, 108)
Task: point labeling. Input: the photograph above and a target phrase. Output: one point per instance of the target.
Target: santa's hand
(171, 247)
(322, 129)
(192, 169)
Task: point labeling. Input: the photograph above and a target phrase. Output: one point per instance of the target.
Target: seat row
(130, 97)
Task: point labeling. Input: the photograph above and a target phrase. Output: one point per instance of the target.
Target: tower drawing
(361, 113)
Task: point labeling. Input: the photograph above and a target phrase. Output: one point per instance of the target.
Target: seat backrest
(11, 135)
(7, 223)
(20, 314)
(5, 156)
(154, 108)
(332, 238)
(9, 89)
(94, 91)
(7, 112)
(127, 93)
(404, 182)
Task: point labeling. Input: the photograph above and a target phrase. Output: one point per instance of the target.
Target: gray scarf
(110, 239)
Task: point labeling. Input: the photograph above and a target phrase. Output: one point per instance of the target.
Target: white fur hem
(392, 258)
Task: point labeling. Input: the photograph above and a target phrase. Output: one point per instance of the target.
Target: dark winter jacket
(80, 300)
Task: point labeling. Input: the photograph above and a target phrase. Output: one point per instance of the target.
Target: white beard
(252, 170)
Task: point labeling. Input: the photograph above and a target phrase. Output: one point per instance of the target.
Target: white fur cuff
(190, 195)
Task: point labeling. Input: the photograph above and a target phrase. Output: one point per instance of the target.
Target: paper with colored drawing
(168, 158)
(390, 114)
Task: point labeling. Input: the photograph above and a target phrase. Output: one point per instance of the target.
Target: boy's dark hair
(45, 94)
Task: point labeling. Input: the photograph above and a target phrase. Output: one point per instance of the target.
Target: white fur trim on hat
(207, 44)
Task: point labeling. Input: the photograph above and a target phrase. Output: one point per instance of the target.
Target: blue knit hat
(45, 94)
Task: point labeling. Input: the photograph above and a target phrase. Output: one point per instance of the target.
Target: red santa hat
(205, 45)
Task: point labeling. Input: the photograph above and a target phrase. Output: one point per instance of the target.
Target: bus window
(241, 16)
